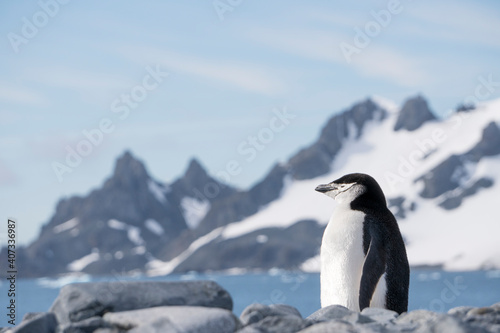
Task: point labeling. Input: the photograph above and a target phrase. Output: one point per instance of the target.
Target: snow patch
(157, 267)
(134, 235)
(79, 264)
(139, 250)
(70, 224)
(64, 280)
(154, 227)
(261, 239)
(115, 224)
(312, 265)
(298, 202)
(194, 211)
(386, 104)
(462, 174)
(235, 271)
(158, 191)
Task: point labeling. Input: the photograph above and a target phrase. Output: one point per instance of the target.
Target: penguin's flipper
(373, 269)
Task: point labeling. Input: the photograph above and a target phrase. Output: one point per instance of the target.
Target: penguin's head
(349, 187)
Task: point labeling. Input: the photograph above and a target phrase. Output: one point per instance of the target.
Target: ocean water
(429, 289)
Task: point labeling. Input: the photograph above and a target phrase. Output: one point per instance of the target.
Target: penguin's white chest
(342, 259)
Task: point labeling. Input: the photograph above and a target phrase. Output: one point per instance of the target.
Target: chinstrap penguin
(363, 256)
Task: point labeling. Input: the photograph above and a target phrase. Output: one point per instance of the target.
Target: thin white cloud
(391, 65)
(18, 95)
(245, 76)
(457, 21)
(240, 74)
(347, 18)
(64, 77)
(7, 176)
(312, 44)
(373, 61)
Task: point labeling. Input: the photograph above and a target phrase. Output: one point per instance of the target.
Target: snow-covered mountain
(440, 178)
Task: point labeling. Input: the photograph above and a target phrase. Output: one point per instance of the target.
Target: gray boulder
(178, 319)
(88, 325)
(271, 318)
(460, 311)
(256, 312)
(338, 312)
(331, 326)
(107, 330)
(427, 321)
(380, 315)
(278, 324)
(40, 323)
(486, 319)
(77, 302)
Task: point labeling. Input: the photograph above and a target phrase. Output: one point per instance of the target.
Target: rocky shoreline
(205, 307)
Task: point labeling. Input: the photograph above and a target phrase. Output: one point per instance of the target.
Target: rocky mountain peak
(195, 176)
(316, 159)
(196, 182)
(489, 144)
(128, 171)
(414, 113)
(195, 172)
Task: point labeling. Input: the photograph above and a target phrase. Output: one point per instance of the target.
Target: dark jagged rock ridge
(400, 207)
(204, 306)
(265, 248)
(123, 224)
(198, 184)
(453, 172)
(316, 159)
(234, 207)
(414, 113)
(454, 200)
(125, 197)
(244, 203)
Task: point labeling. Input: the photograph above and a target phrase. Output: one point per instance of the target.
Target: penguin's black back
(380, 224)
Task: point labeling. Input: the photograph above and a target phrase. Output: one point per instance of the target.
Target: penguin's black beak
(323, 188)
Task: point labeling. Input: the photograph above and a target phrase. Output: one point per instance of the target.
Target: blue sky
(221, 75)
